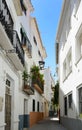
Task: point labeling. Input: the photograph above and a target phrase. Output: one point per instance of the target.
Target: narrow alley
(48, 124)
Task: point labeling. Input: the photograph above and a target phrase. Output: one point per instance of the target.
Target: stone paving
(48, 124)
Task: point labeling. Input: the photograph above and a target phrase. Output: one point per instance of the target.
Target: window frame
(70, 102)
(33, 105)
(78, 45)
(38, 106)
(80, 91)
(65, 106)
(67, 69)
(34, 39)
(23, 7)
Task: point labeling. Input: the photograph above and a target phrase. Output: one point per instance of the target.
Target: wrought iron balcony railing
(26, 43)
(5, 16)
(17, 44)
(7, 25)
(28, 87)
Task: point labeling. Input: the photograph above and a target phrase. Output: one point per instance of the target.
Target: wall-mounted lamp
(41, 64)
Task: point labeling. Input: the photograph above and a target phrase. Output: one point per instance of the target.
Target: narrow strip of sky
(47, 13)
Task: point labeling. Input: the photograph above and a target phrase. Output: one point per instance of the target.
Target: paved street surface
(48, 124)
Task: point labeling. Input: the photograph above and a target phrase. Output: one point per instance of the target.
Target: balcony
(27, 83)
(37, 79)
(9, 39)
(28, 89)
(26, 43)
(28, 48)
(38, 86)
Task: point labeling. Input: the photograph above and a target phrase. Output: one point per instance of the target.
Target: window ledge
(78, 60)
(67, 75)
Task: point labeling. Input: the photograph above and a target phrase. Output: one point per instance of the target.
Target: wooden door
(8, 107)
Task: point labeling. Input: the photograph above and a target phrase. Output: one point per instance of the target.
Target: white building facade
(49, 85)
(20, 48)
(11, 62)
(68, 56)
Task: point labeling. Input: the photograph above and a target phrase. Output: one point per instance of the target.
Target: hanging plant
(36, 76)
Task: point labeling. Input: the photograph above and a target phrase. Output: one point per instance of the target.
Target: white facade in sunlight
(69, 58)
(11, 62)
(48, 89)
(20, 47)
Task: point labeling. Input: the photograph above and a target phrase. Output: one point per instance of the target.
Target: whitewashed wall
(75, 78)
(6, 69)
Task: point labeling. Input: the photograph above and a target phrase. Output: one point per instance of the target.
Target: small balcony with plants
(27, 83)
(9, 39)
(37, 79)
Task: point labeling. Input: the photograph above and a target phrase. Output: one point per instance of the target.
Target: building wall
(70, 81)
(30, 28)
(7, 70)
(48, 93)
(22, 103)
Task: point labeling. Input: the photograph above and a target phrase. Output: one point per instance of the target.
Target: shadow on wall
(68, 111)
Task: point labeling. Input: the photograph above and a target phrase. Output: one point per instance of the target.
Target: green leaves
(37, 77)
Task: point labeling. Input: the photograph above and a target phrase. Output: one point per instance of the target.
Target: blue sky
(47, 13)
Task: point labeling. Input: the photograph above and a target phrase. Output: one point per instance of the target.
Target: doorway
(8, 105)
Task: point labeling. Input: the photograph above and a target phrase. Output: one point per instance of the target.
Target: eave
(61, 19)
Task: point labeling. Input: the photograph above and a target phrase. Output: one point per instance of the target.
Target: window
(80, 42)
(33, 105)
(78, 47)
(77, 5)
(67, 65)
(80, 101)
(69, 62)
(68, 20)
(8, 82)
(64, 69)
(23, 37)
(70, 100)
(39, 53)
(8, 87)
(38, 106)
(65, 105)
(23, 6)
(35, 40)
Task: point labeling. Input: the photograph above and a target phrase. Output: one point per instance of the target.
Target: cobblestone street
(48, 124)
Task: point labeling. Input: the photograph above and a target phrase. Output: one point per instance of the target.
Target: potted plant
(25, 78)
(37, 78)
(34, 73)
